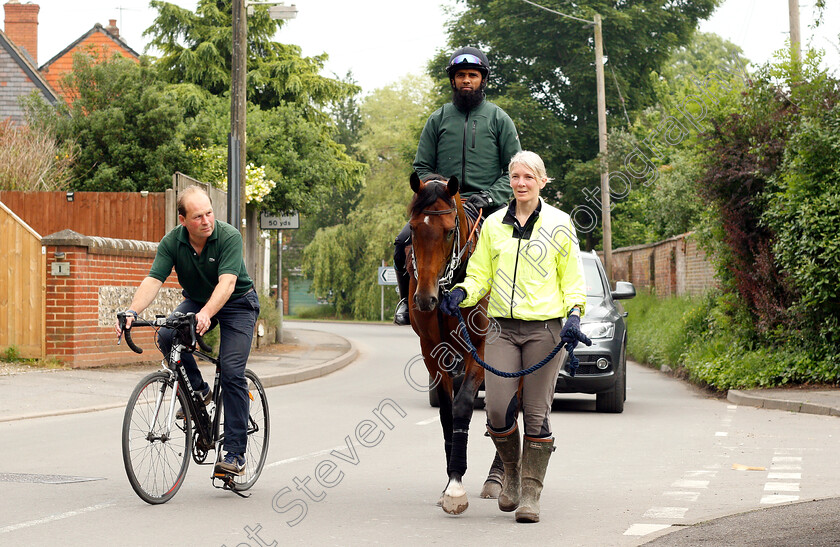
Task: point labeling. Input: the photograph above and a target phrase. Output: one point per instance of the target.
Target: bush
(316, 312)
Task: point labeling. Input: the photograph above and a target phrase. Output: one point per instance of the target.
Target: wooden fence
(23, 285)
(120, 215)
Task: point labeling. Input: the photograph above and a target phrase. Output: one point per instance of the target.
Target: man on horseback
(472, 139)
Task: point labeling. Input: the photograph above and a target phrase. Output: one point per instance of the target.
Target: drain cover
(45, 479)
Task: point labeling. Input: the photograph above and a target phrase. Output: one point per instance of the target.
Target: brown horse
(443, 238)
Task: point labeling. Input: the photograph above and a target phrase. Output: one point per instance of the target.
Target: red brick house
(19, 75)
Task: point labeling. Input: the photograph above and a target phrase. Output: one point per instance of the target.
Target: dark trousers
(236, 322)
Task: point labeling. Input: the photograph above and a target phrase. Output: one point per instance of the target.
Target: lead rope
(573, 361)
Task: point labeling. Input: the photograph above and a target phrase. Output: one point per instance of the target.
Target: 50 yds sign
(287, 221)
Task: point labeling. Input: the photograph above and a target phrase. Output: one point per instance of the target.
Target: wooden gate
(23, 287)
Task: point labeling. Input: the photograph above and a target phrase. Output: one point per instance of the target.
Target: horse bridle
(454, 261)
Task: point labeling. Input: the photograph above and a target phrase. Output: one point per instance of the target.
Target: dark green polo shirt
(199, 274)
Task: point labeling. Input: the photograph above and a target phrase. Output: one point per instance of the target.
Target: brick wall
(81, 307)
(675, 266)
(21, 26)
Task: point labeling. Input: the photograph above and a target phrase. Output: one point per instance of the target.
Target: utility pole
(795, 37)
(602, 147)
(236, 161)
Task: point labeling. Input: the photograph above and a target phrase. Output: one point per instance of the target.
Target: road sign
(387, 275)
(289, 221)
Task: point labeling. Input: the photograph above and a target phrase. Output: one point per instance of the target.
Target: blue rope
(573, 361)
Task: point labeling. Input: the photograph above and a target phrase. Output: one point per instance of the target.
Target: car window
(594, 285)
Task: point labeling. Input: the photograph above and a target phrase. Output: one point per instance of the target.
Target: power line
(558, 13)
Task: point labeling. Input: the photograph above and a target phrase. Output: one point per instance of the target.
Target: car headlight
(598, 330)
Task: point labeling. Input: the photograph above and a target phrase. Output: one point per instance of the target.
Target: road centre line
(304, 457)
(52, 518)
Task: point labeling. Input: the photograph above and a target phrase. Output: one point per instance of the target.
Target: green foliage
(268, 311)
(197, 48)
(712, 340)
(11, 354)
(124, 123)
(316, 312)
(542, 64)
(342, 259)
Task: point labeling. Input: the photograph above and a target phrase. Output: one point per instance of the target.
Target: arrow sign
(387, 275)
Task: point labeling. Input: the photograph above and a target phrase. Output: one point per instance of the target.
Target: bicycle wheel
(156, 453)
(256, 451)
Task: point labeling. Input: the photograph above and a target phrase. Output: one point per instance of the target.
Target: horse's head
(434, 214)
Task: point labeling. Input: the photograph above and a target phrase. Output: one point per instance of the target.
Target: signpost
(287, 221)
(387, 275)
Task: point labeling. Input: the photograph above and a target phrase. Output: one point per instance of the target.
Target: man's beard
(467, 101)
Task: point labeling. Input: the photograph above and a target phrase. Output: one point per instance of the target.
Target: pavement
(27, 392)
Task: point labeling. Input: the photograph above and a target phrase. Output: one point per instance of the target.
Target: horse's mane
(429, 194)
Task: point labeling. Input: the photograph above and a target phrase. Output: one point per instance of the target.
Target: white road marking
(682, 496)
(787, 459)
(721, 434)
(781, 487)
(690, 484)
(784, 476)
(775, 467)
(665, 513)
(645, 529)
(778, 498)
(428, 421)
(700, 473)
(51, 518)
(304, 457)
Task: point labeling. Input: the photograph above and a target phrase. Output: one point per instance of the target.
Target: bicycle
(157, 446)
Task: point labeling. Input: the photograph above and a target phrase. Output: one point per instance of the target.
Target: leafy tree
(197, 48)
(342, 259)
(125, 123)
(543, 65)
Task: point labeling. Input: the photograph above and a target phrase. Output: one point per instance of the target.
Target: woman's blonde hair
(532, 161)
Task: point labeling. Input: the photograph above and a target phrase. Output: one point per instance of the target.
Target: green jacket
(535, 272)
(475, 146)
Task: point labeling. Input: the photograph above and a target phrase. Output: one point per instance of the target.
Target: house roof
(24, 61)
(96, 28)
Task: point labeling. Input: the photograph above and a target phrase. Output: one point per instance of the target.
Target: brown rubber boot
(508, 446)
(535, 456)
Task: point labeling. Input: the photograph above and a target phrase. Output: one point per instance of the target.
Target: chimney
(112, 27)
(22, 26)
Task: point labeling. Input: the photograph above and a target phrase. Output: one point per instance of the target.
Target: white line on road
(304, 457)
(52, 518)
(428, 421)
(784, 476)
(666, 513)
(690, 484)
(645, 529)
(778, 498)
(682, 496)
(781, 487)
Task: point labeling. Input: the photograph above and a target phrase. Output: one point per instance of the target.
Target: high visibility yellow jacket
(534, 271)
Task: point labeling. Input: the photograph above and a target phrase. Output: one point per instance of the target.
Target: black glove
(480, 200)
(571, 334)
(449, 302)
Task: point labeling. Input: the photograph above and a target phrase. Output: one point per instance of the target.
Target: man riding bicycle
(207, 257)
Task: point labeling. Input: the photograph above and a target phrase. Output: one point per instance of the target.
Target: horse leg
(455, 499)
(445, 398)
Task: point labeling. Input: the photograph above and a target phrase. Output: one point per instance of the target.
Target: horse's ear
(453, 185)
(415, 182)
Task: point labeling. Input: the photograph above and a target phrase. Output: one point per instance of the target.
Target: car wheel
(613, 401)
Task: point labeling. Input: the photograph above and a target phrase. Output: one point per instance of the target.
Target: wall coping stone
(102, 245)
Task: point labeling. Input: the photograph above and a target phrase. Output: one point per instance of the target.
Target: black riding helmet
(468, 57)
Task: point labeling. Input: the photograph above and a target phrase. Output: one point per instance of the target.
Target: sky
(383, 40)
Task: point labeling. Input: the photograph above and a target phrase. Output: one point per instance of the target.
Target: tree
(342, 259)
(542, 64)
(124, 122)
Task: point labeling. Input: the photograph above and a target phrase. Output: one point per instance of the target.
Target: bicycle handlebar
(178, 321)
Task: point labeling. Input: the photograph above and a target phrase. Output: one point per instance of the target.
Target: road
(668, 460)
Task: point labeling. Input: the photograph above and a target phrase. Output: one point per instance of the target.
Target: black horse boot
(401, 316)
(507, 446)
(535, 455)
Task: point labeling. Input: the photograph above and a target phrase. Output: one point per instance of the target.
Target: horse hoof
(455, 505)
(491, 490)
(440, 501)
